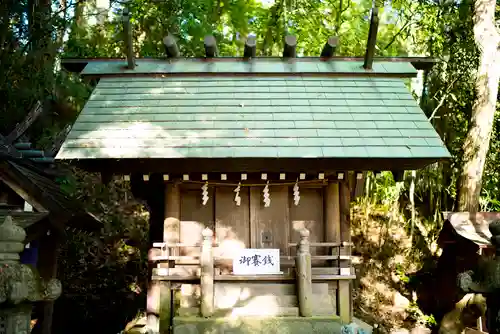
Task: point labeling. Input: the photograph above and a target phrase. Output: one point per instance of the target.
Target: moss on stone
(257, 325)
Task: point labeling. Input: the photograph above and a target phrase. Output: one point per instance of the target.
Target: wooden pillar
(207, 274)
(344, 306)
(171, 234)
(47, 267)
(164, 205)
(332, 212)
(345, 211)
(171, 226)
(344, 301)
(304, 275)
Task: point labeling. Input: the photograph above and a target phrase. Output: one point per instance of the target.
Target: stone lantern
(486, 281)
(20, 284)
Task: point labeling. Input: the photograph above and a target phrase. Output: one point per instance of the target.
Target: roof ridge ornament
(372, 39)
(127, 30)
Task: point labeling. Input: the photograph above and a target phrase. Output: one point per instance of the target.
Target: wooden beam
(250, 47)
(127, 30)
(290, 50)
(171, 48)
(35, 112)
(372, 40)
(56, 145)
(249, 165)
(210, 46)
(23, 194)
(330, 47)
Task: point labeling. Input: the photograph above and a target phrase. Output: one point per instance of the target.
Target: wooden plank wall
(232, 223)
(309, 214)
(195, 217)
(324, 211)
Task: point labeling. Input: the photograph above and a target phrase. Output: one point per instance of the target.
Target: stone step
(260, 289)
(323, 305)
(244, 311)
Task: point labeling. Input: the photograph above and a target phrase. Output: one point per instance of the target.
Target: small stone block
(185, 177)
(345, 271)
(223, 177)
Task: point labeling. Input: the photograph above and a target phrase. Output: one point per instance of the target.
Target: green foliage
(104, 276)
(421, 318)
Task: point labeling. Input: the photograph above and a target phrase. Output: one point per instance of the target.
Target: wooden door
(271, 223)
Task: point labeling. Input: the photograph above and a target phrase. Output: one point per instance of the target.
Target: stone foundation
(254, 325)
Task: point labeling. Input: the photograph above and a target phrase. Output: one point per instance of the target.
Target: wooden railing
(303, 275)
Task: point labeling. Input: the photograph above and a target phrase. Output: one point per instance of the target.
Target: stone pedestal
(20, 285)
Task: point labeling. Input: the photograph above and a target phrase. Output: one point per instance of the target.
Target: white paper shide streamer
(267, 199)
(204, 193)
(237, 197)
(296, 193)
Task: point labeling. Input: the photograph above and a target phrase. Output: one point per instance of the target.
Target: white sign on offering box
(251, 261)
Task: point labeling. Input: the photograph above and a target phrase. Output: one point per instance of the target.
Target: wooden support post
(344, 307)
(250, 47)
(344, 301)
(210, 46)
(290, 47)
(127, 30)
(207, 274)
(330, 47)
(372, 40)
(345, 212)
(171, 48)
(47, 267)
(332, 212)
(304, 275)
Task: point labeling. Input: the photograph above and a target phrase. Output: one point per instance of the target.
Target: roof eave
(249, 164)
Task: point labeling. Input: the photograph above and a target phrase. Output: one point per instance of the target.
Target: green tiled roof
(252, 117)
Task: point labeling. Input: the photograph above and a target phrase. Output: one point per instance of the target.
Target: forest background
(104, 276)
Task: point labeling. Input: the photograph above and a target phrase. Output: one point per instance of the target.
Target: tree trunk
(477, 142)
